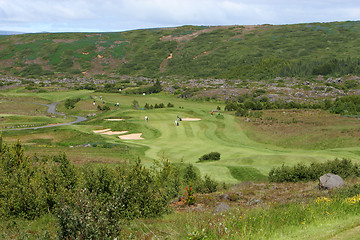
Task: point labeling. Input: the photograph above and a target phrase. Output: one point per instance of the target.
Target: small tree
(135, 105)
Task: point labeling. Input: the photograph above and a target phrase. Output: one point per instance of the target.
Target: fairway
(123, 127)
(190, 140)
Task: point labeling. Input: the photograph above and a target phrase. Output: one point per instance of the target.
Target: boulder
(222, 207)
(224, 196)
(330, 181)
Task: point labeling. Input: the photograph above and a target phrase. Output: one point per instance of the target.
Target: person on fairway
(176, 123)
(146, 118)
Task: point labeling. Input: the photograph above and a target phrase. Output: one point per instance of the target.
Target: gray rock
(224, 196)
(253, 202)
(222, 207)
(330, 181)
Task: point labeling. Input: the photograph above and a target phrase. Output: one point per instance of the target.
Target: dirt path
(51, 110)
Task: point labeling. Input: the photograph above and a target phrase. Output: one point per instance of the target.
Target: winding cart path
(52, 110)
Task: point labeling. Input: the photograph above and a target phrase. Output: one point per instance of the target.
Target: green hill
(232, 52)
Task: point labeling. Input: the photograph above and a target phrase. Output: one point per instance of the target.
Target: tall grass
(315, 219)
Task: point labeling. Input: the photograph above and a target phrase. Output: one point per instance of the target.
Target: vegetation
(70, 103)
(213, 156)
(231, 52)
(300, 172)
(88, 202)
(291, 105)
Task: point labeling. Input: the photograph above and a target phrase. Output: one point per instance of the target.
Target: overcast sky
(121, 15)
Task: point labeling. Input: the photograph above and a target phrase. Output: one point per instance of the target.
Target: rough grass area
(307, 129)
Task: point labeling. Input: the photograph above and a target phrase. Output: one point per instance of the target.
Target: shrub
(190, 175)
(213, 156)
(300, 172)
(209, 185)
(70, 102)
(103, 108)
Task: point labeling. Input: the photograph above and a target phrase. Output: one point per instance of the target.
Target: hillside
(231, 52)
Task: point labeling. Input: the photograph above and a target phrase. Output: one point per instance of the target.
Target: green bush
(103, 108)
(300, 172)
(213, 156)
(70, 102)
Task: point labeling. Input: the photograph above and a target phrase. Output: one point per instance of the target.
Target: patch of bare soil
(63, 40)
(202, 54)
(43, 63)
(7, 63)
(193, 35)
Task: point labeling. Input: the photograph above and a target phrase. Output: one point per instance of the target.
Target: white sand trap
(114, 132)
(191, 119)
(101, 131)
(133, 136)
(114, 119)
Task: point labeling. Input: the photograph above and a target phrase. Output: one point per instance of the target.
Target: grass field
(248, 149)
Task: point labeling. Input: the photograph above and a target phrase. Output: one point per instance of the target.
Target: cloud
(114, 15)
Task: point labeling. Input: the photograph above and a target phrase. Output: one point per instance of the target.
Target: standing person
(176, 123)
(146, 118)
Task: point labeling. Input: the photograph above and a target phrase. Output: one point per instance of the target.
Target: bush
(70, 103)
(300, 172)
(213, 156)
(103, 108)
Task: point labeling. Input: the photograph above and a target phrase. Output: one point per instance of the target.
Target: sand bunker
(133, 136)
(101, 131)
(114, 132)
(191, 119)
(114, 119)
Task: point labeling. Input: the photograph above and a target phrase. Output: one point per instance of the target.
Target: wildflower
(322, 200)
(353, 200)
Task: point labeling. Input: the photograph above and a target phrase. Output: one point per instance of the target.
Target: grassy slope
(224, 52)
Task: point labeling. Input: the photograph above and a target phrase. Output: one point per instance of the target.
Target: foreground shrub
(30, 187)
(110, 197)
(300, 172)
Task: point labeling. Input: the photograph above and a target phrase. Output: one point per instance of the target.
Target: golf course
(192, 132)
(199, 133)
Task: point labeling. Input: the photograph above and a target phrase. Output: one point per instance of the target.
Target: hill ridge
(231, 52)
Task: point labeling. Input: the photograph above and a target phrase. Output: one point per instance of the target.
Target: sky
(122, 15)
